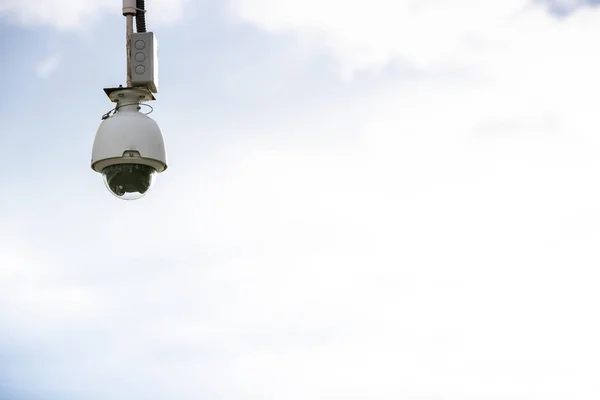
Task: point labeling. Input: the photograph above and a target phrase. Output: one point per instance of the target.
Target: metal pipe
(129, 7)
(129, 28)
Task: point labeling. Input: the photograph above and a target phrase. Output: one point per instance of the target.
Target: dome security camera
(129, 150)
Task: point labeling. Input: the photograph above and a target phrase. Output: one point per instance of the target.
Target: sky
(392, 199)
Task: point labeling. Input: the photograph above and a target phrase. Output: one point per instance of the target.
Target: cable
(116, 109)
(140, 16)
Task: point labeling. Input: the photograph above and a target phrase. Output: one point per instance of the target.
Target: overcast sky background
(384, 199)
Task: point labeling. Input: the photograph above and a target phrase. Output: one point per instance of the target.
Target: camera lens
(129, 181)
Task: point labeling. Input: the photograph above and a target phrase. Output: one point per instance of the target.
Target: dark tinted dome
(129, 180)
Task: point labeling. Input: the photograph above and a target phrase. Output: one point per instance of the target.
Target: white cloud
(47, 67)
(452, 252)
(432, 35)
(33, 295)
(70, 15)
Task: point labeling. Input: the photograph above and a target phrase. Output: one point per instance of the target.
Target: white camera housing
(129, 137)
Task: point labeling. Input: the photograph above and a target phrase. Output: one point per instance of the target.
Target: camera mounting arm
(141, 48)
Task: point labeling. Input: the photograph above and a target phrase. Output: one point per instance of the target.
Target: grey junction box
(144, 61)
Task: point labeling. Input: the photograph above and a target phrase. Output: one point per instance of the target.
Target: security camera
(129, 150)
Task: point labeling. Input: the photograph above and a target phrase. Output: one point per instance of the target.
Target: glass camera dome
(129, 181)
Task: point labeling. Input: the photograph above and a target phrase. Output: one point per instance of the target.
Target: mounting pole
(128, 46)
(129, 11)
